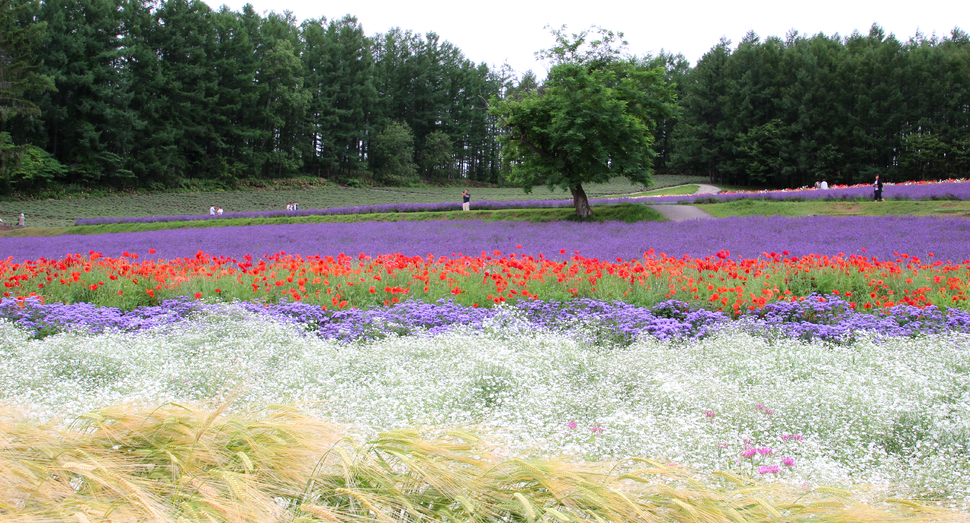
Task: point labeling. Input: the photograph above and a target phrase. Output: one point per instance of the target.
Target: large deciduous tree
(592, 119)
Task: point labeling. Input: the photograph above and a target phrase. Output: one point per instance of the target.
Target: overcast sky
(512, 30)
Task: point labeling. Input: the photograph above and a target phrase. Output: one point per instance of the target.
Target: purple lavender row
(747, 237)
(941, 191)
(958, 190)
(830, 319)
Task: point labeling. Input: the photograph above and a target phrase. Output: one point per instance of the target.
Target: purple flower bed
(830, 319)
(748, 237)
(920, 192)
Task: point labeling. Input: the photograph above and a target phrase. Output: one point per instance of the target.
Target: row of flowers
(876, 237)
(943, 189)
(801, 392)
(817, 317)
(720, 282)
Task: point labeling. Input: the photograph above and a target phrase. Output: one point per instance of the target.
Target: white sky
(512, 30)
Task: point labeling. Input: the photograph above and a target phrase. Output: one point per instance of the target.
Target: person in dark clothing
(877, 190)
(466, 198)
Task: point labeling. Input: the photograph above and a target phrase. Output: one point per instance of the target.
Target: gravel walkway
(679, 213)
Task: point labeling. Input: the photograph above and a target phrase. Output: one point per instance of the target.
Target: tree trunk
(581, 202)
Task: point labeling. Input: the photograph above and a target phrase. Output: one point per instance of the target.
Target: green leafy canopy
(590, 121)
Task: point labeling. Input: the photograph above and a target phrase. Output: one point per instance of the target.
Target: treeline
(168, 93)
(788, 112)
(155, 94)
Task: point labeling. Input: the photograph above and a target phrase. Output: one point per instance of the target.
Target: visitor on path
(466, 198)
(212, 210)
(21, 221)
(824, 185)
(877, 190)
(218, 210)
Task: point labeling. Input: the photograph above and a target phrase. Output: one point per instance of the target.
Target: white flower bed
(894, 413)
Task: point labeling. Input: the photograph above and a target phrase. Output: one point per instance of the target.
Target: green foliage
(340, 75)
(20, 74)
(788, 112)
(394, 152)
(437, 160)
(591, 120)
(26, 169)
(760, 152)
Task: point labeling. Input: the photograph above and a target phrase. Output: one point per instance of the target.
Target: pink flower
(710, 413)
(572, 425)
(788, 462)
(770, 469)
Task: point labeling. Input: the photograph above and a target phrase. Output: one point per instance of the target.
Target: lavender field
(950, 190)
(748, 237)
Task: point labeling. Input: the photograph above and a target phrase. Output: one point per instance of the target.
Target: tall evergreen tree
(88, 121)
(703, 133)
(20, 71)
(23, 166)
(340, 71)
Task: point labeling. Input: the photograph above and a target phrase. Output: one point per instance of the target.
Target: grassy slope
(867, 208)
(623, 213)
(62, 213)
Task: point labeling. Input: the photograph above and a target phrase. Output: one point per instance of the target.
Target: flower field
(731, 265)
(796, 351)
(957, 189)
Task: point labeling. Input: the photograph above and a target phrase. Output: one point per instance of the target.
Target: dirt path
(679, 213)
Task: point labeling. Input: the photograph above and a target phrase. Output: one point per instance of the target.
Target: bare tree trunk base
(581, 202)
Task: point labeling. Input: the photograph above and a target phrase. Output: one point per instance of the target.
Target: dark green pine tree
(176, 85)
(702, 136)
(20, 71)
(237, 97)
(809, 105)
(88, 118)
(872, 104)
(339, 69)
(24, 167)
(677, 68)
(280, 112)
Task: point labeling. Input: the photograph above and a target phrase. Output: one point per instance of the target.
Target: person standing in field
(877, 190)
(21, 221)
(466, 198)
(824, 185)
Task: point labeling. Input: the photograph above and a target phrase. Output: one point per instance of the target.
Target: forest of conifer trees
(170, 93)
